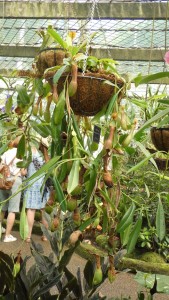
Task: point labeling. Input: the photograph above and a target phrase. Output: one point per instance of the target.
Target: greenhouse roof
(135, 33)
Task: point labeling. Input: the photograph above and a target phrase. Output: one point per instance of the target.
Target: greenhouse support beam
(122, 54)
(114, 10)
(130, 54)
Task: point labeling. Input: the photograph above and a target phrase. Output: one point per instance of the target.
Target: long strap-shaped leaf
(59, 193)
(157, 117)
(73, 178)
(57, 37)
(44, 169)
(134, 235)
(160, 221)
(23, 226)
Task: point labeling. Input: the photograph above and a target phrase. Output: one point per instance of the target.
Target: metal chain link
(103, 32)
(88, 36)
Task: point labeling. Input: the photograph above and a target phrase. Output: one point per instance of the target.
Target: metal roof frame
(106, 12)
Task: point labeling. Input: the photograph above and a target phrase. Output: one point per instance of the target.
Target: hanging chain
(103, 32)
(67, 16)
(166, 26)
(151, 48)
(88, 36)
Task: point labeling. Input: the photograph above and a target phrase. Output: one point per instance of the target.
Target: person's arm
(23, 171)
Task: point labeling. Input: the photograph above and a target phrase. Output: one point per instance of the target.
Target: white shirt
(7, 157)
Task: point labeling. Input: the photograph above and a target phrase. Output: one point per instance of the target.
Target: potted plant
(159, 118)
(153, 110)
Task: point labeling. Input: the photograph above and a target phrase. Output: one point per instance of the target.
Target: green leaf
(23, 97)
(63, 172)
(134, 235)
(140, 164)
(162, 283)
(88, 273)
(2, 78)
(71, 286)
(76, 129)
(66, 257)
(124, 236)
(58, 112)
(105, 221)
(85, 224)
(7, 259)
(127, 218)
(3, 148)
(8, 105)
(164, 101)
(50, 165)
(92, 182)
(107, 198)
(57, 38)
(73, 178)
(6, 271)
(23, 225)
(59, 73)
(43, 129)
(160, 221)
(21, 148)
(146, 79)
(146, 153)
(141, 103)
(111, 105)
(39, 86)
(3, 116)
(60, 195)
(157, 117)
(100, 114)
(147, 280)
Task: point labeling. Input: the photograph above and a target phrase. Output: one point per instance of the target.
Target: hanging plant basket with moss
(48, 58)
(92, 81)
(94, 90)
(162, 163)
(160, 138)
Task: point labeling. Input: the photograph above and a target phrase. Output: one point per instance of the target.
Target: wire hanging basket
(160, 138)
(93, 91)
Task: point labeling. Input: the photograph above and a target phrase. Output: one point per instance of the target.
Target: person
(36, 198)
(11, 206)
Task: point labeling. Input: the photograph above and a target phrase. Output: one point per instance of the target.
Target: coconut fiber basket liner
(160, 138)
(162, 163)
(48, 58)
(92, 92)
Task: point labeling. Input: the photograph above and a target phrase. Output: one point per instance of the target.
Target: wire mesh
(116, 33)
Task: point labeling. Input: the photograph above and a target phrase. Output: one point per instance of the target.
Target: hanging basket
(48, 58)
(93, 92)
(160, 138)
(162, 164)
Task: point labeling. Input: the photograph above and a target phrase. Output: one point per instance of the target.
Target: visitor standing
(11, 206)
(35, 196)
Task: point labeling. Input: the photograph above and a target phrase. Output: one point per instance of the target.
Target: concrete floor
(124, 284)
